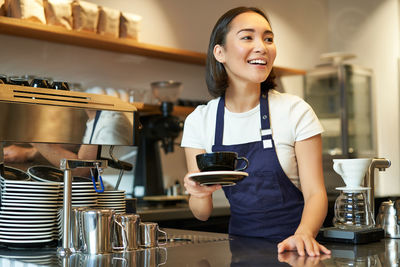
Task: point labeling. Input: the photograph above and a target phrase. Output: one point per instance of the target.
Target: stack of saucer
(28, 210)
(83, 193)
(112, 200)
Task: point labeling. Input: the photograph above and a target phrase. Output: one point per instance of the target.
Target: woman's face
(249, 51)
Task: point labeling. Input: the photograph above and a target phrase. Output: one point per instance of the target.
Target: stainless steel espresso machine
(58, 117)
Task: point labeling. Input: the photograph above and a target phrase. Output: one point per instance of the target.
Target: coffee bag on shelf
(31, 10)
(58, 12)
(129, 25)
(108, 22)
(2, 8)
(85, 16)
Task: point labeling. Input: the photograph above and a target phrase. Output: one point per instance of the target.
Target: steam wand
(67, 165)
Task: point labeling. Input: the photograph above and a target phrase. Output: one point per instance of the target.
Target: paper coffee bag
(129, 25)
(108, 22)
(26, 9)
(85, 16)
(58, 12)
(2, 8)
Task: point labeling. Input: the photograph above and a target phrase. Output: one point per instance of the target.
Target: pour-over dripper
(352, 171)
(352, 207)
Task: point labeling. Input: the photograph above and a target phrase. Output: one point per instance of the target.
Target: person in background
(284, 197)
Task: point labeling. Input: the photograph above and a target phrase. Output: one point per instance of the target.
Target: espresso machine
(160, 129)
(60, 117)
(354, 220)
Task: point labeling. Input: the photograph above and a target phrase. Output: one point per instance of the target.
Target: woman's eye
(246, 38)
(269, 39)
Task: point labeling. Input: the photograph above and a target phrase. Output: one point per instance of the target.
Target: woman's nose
(260, 46)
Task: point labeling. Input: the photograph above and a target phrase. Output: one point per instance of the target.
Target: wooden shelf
(23, 28)
(19, 27)
(150, 109)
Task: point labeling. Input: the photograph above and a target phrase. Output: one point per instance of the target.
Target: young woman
(284, 196)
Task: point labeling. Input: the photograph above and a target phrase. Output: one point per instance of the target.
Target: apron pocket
(260, 191)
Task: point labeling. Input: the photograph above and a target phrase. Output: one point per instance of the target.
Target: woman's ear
(219, 53)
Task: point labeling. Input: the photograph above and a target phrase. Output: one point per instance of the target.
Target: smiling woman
(283, 197)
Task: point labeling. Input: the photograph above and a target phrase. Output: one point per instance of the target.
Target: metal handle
(99, 171)
(125, 240)
(101, 190)
(166, 237)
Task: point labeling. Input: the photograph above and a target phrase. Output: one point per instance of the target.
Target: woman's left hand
(302, 242)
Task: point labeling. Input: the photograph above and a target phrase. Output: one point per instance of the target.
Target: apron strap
(265, 131)
(219, 123)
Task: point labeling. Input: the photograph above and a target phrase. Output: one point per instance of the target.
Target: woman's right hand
(197, 190)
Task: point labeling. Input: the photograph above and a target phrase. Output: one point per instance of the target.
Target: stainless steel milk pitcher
(131, 225)
(97, 228)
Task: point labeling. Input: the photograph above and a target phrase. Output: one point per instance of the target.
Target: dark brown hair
(216, 76)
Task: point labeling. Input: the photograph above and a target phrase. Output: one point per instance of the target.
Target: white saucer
(352, 188)
(24, 241)
(218, 177)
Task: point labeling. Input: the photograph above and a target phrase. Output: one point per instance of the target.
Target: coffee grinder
(157, 128)
(354, 219)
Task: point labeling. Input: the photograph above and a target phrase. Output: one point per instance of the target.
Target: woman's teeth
(258, 61)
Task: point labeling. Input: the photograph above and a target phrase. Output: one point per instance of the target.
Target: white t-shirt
(112, 128)
(291, 118)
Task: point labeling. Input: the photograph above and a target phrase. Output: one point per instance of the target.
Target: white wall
(370, 29)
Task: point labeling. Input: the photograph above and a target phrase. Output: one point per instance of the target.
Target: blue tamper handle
(101, 184)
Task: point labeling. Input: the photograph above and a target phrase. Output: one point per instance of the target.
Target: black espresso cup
(220, 161)
(18, 81)
(40, 83)
(3, 79)
(60, 85)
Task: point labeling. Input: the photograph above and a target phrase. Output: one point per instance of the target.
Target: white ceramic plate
(30, 182)
(27, 204)
(18, 182)
(29, 209)
(28, 195)
(23, 212)
(27, 217)
(27, 238)
(27, 198)
(24, 241)
(29, 190)
(27, 233)
(19, 226)
(29, 187)
(27, 221)
(28, 201)
(108, 197)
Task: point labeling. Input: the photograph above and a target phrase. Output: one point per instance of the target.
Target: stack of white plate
(83, 193)
(112, 200)
(28, 210)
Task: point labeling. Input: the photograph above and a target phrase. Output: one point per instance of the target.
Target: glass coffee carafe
(352, 207)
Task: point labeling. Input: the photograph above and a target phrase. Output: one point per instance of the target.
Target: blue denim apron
(266, 203)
